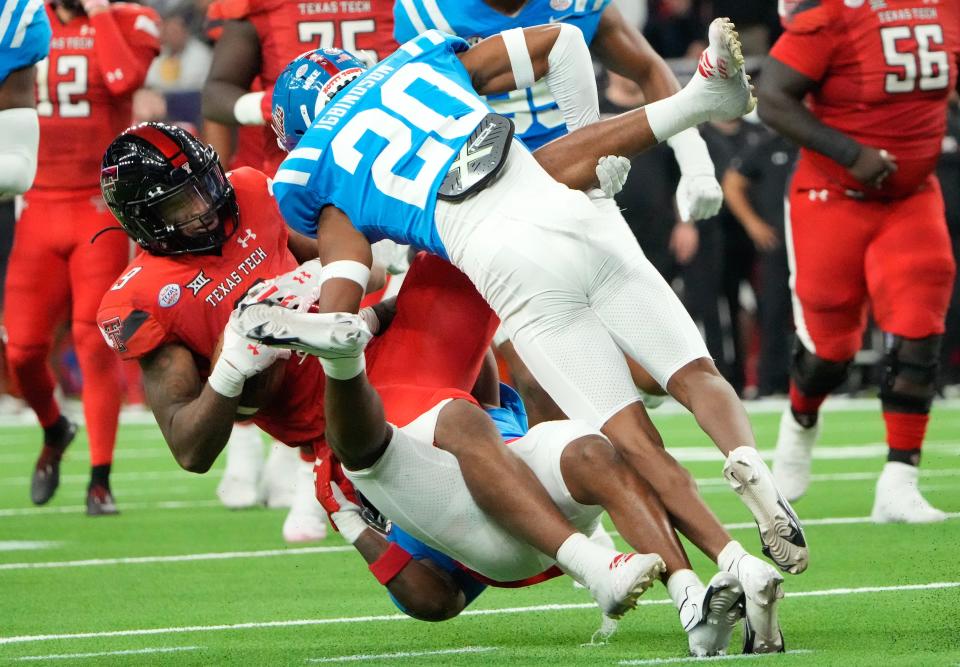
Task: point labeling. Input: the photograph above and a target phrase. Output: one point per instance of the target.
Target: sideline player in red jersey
(99, 56)
(865, 217)
(259, 39)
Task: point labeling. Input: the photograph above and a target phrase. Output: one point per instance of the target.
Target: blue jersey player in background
(408, 151)
(623, 50)
(24, 41)
(613, 40)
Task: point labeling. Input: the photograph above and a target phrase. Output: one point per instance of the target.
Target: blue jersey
(24, 35)
(511, 420)
(381, 148)
(534, 112)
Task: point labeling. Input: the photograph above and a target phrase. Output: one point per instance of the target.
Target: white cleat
(720, 88)
(792, 458)
(307, 520)
(623, 580)
(279, 474)
(763, 590)
(240, 486)
(327, 335)
(710, 614)
(899, 499)
(780, 531)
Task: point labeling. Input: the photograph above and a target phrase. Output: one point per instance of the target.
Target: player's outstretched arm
(236, 61)
(346, 257)
(195, 420)
(623, 49)
(557, 53)
(781, 107)
(19, 131)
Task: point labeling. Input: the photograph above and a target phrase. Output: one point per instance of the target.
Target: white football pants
(571, 286)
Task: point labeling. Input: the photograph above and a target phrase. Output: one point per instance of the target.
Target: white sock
(733, 552)
(679, 582)
(579, 557)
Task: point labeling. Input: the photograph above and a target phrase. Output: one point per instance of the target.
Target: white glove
(699, 196)
(612, 172)
(348, 519)
(297, 290)
(240, 358)
(371, 319)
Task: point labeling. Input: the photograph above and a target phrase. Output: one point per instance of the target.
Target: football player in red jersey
(259, 38)
(204, 252)
(99, 56)
(865, 219)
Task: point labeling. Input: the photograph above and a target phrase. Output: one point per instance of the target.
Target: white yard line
(27, 545)
(21, 639)
(405, 654)
(17, 480)
(267, 553)
(179, 558)
(872, 450)
(139, 651)
(79, 509)
(676, 661)
(840, 477)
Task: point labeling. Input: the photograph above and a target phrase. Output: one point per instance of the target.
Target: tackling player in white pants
(420, 487)
(571, 321)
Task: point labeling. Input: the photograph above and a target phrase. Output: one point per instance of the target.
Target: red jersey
(85, 90)
(885, 70)
(187, 299)
(287, 28)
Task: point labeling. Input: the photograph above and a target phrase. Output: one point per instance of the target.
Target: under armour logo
(242, 240)
(254, 349)
(198, 282)
(820, 195)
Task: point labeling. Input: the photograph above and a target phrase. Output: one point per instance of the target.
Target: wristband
(348, 269)
(344, 368)
(390, 563)
(691, 153)
(225, 379)
(247, 109)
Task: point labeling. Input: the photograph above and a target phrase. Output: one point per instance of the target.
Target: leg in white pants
(421, 489)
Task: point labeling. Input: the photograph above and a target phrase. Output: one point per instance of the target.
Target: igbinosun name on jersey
(342, 106)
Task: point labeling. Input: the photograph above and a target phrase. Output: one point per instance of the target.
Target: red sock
(905, 430)
(803, 404)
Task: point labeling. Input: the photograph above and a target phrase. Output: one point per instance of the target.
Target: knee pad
(909, 378)
(815, 376)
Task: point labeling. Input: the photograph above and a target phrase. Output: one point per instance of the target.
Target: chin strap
(115, 228)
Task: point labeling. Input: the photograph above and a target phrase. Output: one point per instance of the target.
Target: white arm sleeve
(19, 140)
(691, 152)
(571, 80)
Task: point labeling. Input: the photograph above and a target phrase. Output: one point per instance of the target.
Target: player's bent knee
(23, 356)
(909, 373)
(814, 375)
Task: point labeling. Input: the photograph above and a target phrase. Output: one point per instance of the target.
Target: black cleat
(46, 474)
(100, 501)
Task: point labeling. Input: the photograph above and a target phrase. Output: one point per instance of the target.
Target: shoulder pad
(804, 16)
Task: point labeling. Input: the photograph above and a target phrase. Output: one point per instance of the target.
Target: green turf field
(178, 580)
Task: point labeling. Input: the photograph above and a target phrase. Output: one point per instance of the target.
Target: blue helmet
(305, 86)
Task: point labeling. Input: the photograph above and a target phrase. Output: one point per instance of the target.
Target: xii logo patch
(198, 282)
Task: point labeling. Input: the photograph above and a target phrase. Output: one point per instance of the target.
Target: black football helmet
(168, 190)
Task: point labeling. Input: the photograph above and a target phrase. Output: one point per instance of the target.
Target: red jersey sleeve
(132, 332)
(127, 321)
(128, 39)
(808, 42)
